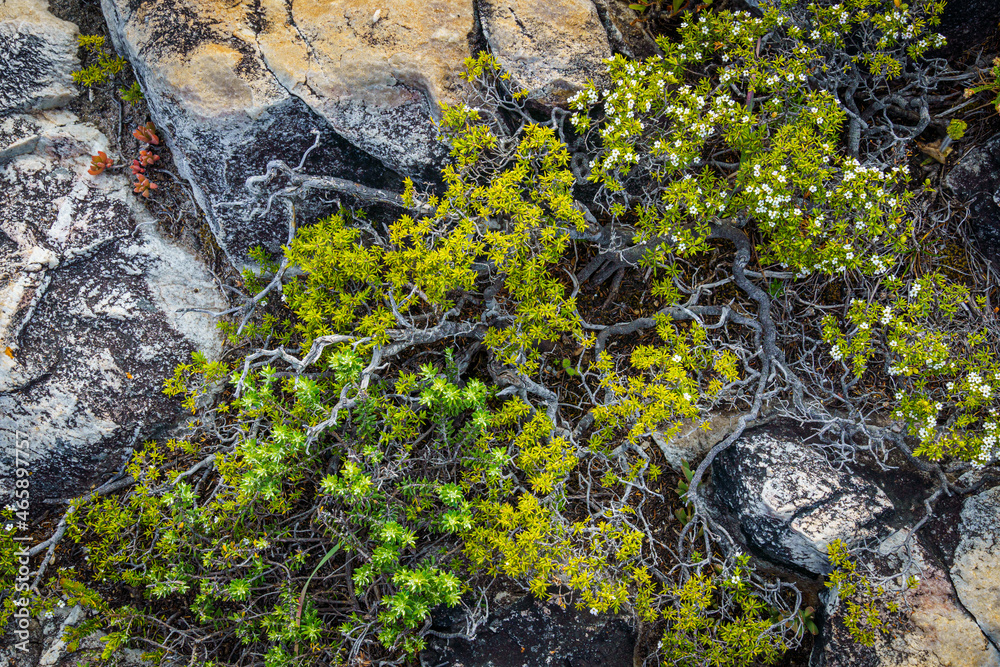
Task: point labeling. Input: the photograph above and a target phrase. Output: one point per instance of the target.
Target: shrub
(387, 436)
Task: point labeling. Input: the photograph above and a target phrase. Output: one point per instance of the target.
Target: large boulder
(89, 301)
(790, 503)
(976, 179)
(236, 85)
(976, 567)
(550, 48)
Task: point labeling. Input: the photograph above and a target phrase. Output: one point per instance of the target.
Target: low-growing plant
(99, 163)
(132, 94)
(868, 607)
(146, 134)
(107, 67)
(379, 441)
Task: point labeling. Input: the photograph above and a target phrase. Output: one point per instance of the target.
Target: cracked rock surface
(238, 85)
(790, 503)
(550, 48)
(88, 297)
(45, 646)
(976, 568)
(37, 54)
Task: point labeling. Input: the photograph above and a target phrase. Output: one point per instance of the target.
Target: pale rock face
(89, 294)
(790, 503)
(237, 85)
(976, 568)
(548, 47)
(38, 52)
(693, 441)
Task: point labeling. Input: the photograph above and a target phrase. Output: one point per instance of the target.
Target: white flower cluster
(991, 442)
(978, 385)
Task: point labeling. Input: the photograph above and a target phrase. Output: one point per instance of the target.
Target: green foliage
(956, 129)
(107, 67)
(664, 390)
(866, 604)
(944, 374)
(818, 211)
(8, 559)
(990, 84)
(717, 619)
(414, 481)
(132, 94)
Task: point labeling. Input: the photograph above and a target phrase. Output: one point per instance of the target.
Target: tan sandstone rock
(938, 632)
(976, 570)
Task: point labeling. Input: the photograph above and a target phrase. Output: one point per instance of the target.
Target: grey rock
(976, 179)
(37, 54)
(226, 104)
(47, 648)
(976, 567)
(89, 328)
(790, 503)
(549, 48)
(625, 35)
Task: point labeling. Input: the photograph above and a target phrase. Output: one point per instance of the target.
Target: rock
(976, 179)
(38, 52)
(624, 32)
(937, 632)
(789, 502)
(532, 633)
(976, 567)
(550, 48)
(964, 33)
(693, 441)
(89, 294)
(87, 311)
(238, 85)
(47, 648)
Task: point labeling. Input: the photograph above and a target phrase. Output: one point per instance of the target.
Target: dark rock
(531, 633)
(976, 179)
(790, 503)
(967, 24)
